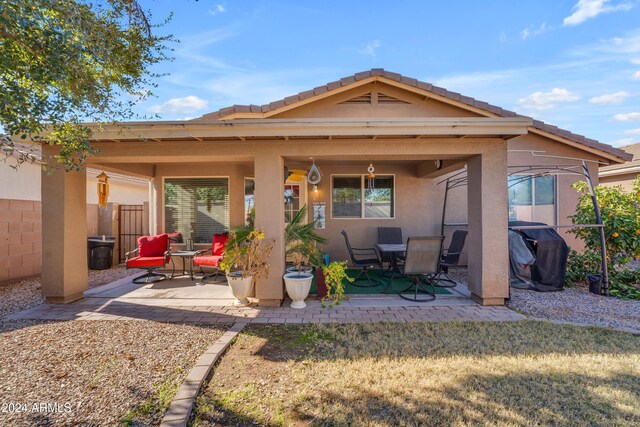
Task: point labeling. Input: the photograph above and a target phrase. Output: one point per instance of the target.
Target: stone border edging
(182, 404)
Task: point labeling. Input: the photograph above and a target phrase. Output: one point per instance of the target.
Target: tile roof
(634, 150)
(454, 96)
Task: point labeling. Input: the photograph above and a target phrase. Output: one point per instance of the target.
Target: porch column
(269, 207)
(64, 235)
(488, 216)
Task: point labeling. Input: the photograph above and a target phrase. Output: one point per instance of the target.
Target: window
(352, 198)
(291, 201)
(532, 199)
(249, 209)
(196, 207)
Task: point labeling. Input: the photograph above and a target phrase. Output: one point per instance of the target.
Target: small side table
(187, 256)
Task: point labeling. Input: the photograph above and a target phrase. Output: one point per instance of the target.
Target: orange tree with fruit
(620, 212)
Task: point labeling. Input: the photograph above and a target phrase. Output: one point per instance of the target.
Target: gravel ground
(26, 293)
(574, 304)
(103, 370)
(578, 305)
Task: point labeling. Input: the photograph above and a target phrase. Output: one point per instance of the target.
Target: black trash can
(595, 283)
(100, 252)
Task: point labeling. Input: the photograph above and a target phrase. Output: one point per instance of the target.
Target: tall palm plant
(301, 239)
(298, 231)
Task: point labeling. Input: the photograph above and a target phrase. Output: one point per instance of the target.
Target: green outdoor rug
(399, 284)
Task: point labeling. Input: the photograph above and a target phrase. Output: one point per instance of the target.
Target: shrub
(620, 217)
(624, 282)
(620, 213)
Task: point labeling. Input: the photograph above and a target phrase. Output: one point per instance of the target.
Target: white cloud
(547, 100)
(587, 9)
(636, 76)
(534, 31)
(186, 105)
(627, 117)
(623, 141)
(610, 98)
(502, 37)
(219, 8)
(370, 48)
(632, 131)
(635, 61)
(615, 48)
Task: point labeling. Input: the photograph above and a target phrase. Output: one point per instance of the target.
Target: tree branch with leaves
(67, 62)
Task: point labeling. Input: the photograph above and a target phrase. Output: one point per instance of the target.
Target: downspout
(603, 248)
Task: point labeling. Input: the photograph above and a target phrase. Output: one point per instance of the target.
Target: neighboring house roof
(483, 108)
(631, 166)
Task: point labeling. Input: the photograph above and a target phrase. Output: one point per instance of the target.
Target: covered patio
(236, 149)
(183, 300)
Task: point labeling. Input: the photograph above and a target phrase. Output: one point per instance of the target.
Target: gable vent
(386, 99)
(364, 99)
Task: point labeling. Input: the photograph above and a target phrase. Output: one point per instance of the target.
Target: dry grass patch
(459, 373)
(109, 372)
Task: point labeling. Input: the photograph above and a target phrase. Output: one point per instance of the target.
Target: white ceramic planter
(298, 286)
(240, 287)
(303, 270)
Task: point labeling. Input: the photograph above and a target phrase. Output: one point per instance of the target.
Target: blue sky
(573, 63)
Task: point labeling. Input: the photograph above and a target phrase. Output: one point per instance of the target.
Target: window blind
(196, 207)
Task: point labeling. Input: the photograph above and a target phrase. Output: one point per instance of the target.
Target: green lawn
(457, 373)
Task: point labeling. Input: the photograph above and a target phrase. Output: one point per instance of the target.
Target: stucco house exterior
(412, 132)
(623, 174)
(21, 214)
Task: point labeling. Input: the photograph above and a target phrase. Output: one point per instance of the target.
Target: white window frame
(533, 195)
(244, 181)
(362, 199)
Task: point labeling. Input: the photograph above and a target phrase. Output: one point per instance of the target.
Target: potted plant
(334, 276)
(298, 281)
(246, 258)
(302, 249)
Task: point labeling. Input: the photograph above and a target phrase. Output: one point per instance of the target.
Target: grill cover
(551, 252)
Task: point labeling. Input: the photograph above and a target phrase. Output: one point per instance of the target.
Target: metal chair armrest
(128, 254)
(451, 253)
(364, 250)
(167, 253)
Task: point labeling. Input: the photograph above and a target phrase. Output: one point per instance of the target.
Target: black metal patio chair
(422, 265)
(365, 259)
(451, 258)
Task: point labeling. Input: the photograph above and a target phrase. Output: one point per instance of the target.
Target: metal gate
(130, 227)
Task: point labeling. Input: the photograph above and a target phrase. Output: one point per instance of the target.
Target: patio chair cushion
(175, 237)
(207, 260)
(219, 243)
(147, 261)
(153, 246)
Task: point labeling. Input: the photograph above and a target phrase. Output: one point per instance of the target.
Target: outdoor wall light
(103, 190)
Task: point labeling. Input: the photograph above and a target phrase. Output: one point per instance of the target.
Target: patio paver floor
(182, 300)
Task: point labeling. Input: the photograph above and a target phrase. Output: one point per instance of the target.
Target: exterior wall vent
(386, 99)
(363, 99)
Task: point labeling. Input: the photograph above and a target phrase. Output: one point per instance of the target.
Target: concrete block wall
(20, 239)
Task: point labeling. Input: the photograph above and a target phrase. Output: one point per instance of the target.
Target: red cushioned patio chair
(153, 252)
(218, 245)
